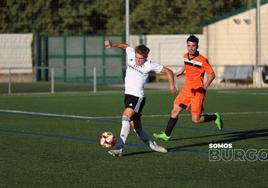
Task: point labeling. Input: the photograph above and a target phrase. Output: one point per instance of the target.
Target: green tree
(114, 10)
(84, 17)
(177, 16)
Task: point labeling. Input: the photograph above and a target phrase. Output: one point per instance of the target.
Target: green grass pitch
(47, 151)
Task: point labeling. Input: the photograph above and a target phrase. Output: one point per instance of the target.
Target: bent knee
(175, 112)
(196, 121)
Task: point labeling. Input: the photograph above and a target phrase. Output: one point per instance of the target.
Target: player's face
(139, 59)
(192, 47)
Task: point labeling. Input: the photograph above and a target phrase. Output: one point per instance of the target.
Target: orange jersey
(195, 69)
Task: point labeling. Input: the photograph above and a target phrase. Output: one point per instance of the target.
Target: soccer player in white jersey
(138, 67)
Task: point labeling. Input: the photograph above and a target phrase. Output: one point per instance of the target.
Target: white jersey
(136, 75)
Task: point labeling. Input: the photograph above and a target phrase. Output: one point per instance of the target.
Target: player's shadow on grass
(195, 137)
(137, 153)
(228, 137)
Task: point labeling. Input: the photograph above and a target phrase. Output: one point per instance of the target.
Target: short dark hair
(193, 38)
(143, 50)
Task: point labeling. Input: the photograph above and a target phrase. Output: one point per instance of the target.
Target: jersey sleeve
(207, 67)
(130, 55)
(156, 67)
(130, 50)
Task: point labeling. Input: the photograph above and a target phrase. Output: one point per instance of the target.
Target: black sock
(208, 118)
(171, 124)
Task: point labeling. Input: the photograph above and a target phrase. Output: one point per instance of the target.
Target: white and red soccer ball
(107, 139)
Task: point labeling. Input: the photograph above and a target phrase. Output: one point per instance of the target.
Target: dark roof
(232, 13)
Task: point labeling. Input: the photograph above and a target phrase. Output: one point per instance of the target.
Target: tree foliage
(84, 17)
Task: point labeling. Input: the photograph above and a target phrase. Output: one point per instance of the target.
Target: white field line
(54, 115)
(107, 117)
(242, 93)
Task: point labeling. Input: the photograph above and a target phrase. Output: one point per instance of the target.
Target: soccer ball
(107, 139)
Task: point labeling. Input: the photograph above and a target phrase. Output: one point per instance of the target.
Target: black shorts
(136, 103)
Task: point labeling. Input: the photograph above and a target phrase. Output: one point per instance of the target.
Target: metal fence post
(9, 81)
(94, 80)
(52, 80)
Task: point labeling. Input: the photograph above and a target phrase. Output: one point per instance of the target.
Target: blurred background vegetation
(95, 17)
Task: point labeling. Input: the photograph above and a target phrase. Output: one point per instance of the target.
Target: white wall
(168, 50)
(232, 41)
(16, 53)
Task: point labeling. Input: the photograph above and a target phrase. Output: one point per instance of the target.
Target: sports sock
(208, 117)
(124, 132)
(143, 136)
(171, 124)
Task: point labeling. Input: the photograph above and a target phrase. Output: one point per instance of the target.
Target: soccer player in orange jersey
(193, 91)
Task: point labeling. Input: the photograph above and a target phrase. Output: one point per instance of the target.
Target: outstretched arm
(110, 44)
(170, 77)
